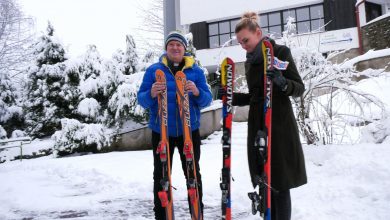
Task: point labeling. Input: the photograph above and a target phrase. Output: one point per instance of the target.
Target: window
(221, 32)
(317, 18)
(274, 19)
(372, 11)
(307, 19)
(316, 12)
(264, 21)
(287, 14)
(214, 41)
(213, 29)
(224, 27)
(303, 14)
(233, 24)
(303, 27)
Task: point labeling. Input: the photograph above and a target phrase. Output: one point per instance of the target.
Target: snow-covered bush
(124, 102)
(79, 137)
(18, 133)
(376, 132)
(3, 133)
(89, 108)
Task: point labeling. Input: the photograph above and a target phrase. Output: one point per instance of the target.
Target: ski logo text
(164, 108)
(268, 87)
(229, 89)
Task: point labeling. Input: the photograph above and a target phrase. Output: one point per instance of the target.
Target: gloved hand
(278, 79)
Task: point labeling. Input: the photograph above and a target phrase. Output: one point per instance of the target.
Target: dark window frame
(231, 32)
(267, 28)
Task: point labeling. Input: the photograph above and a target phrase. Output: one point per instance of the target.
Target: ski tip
(180, 76)
(227, 70)
(160, 75)
(227, 60)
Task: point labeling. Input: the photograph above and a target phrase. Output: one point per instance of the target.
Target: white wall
(324, 42)
(192, 11)
(362, 14)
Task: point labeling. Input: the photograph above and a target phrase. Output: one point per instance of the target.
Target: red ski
(262, 201)
(227, 84)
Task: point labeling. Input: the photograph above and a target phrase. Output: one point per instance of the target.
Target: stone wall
(141, 139)
(377, 63)
(376, 35)
(344, 55)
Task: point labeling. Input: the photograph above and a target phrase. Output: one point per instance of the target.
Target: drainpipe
(358, 26)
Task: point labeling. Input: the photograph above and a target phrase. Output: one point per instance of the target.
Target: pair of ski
(165, 194)
(261, 201)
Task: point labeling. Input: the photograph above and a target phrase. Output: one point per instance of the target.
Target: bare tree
(331, 104)
(14, 38)
(15, 34)
(151, 30)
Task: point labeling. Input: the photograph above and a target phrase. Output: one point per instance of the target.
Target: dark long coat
(287, 160)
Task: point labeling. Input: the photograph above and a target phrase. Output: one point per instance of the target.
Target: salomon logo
(229, 87)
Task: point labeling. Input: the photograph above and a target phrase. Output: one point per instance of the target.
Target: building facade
(327, 25)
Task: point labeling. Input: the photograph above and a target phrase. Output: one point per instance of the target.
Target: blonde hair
(248, 20)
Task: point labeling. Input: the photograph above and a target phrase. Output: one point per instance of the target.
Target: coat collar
(188, 61)
(256, 57)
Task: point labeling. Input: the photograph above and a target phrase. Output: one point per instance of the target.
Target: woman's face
(249, 39)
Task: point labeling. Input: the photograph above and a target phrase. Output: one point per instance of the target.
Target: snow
(371, 54)
(89, 107)
(28, 148)
(345, 182)
(216, 104)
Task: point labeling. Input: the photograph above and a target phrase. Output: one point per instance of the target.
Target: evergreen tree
(10, 111)
(44, 104)
(131, 58)
(127, 62)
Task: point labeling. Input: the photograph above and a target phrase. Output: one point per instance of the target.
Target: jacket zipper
(177, 125)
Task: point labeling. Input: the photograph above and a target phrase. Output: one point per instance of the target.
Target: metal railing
(18, 142)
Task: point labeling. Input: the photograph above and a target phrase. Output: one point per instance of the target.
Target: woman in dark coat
(287, 160)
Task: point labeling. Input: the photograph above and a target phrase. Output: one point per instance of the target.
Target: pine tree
(10, 111)
(44, 104)
(131, 58)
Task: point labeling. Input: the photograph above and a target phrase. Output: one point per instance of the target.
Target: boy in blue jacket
(200, 96)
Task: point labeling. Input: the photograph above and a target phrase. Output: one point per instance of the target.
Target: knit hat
(177, 36)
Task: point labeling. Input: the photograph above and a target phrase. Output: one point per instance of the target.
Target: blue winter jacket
(194, 73)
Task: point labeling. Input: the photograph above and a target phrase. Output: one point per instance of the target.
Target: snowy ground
(345, 182)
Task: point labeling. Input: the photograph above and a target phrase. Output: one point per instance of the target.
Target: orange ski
(165, 194)
(184, 107)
